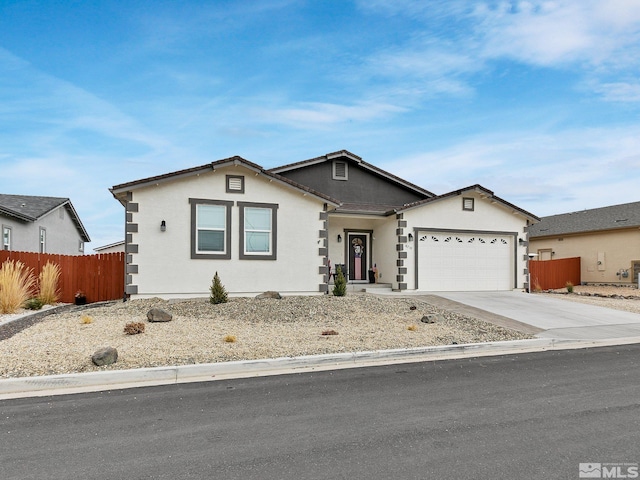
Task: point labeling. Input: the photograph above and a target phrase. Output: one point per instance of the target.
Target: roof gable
(118, 191)
(483, 192)
(30, 208)
(359, 162)
(614, 217)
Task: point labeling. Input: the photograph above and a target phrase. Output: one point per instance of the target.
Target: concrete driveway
(546, 317)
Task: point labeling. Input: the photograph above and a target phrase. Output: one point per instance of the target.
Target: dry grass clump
(86, 319)
(48, 281)
(412, 328)
(134, 328)
(16, 286)
(230, 339)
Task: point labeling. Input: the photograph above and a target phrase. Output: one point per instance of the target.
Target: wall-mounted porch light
(339, 238)
(410, 237)
(521, 241)
(163, 226)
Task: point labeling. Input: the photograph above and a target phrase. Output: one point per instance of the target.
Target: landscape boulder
(269, 294)
(105, 356)
(159, 315)
(431, 318)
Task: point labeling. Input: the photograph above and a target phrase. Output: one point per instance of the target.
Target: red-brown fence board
(552, 274)
(100, 277)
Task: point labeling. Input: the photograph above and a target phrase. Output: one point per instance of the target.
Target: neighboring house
(111, 248)
(287, 228)
(41, 224)
(606, 239)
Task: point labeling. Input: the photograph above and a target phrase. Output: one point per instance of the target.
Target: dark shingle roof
(613, 217)
(29, 208)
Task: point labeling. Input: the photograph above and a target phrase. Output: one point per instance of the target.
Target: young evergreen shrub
(34, 304)
(16, 286)
(340, 285)
(218, 293)
(48, 281)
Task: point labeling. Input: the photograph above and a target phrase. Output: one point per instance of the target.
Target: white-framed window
(210, 228)
(43, 240)
(6, 237)
(258, 231)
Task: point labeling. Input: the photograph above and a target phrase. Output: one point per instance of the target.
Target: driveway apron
(549, 317)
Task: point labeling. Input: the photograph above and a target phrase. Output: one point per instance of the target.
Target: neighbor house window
(258, 231)
(210, 228)
(43, 240)
(467, 204)
(6, 238)
(340, 170)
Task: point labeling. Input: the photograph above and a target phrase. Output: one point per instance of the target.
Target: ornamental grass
(17, 284)
(48, 280)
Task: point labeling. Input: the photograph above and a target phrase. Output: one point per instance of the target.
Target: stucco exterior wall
(448, 214)
(162, 265)
(616, 251)
(62, 236)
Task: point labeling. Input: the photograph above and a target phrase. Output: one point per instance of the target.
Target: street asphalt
(557, 325)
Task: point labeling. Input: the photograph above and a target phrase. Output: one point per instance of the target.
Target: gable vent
(235, 184)
(340, 171)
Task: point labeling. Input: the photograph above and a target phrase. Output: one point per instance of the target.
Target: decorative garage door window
(465, 261)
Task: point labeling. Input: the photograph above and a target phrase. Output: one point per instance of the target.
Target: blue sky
(538, 101)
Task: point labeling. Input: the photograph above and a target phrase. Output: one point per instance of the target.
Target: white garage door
(465, 261)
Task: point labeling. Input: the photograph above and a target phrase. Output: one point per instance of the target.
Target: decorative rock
(105, 356)
(431, 318)
(159, 315)
(269, 294)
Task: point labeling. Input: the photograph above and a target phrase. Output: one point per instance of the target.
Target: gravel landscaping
(242, 329)
(249, 328)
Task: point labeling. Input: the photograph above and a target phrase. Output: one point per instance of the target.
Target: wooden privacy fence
(552, 274)
(100, 277)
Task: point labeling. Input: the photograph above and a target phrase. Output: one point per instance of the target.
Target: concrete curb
(120, 379)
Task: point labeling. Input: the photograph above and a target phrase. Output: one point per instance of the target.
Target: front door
(358, 245)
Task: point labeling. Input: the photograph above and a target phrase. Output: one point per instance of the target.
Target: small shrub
(412, 328)
(340, 285)
(134, 328)
(569, 286)
(329, 332)
(86, 319)
(218, 292)
(34, 304)
(230, 339)
(48, 281)
(16, 286)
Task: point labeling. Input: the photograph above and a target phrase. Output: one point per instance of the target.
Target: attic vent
(235, 184)
(340, 170)
(467, 204)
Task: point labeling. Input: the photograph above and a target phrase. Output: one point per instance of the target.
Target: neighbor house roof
(484, 192)
(614, 217)
(356, 159)
(29, 208)
(117, 190)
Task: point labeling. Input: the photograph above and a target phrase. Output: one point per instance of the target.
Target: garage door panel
(469, 261)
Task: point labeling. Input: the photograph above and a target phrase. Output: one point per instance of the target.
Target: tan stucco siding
(615, 250)
(164, 263)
